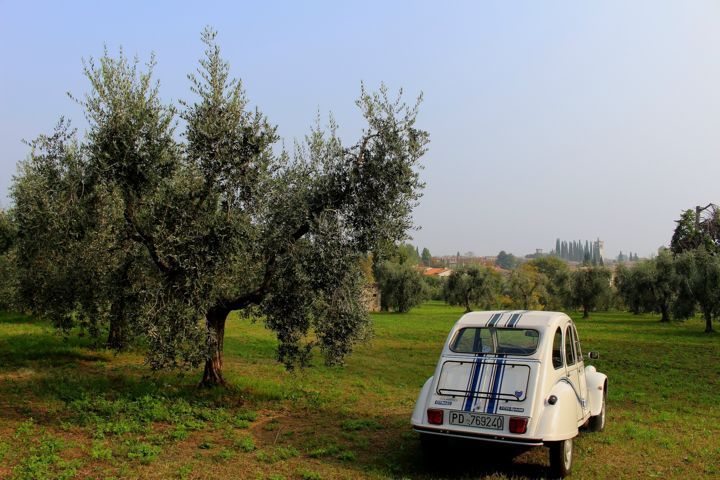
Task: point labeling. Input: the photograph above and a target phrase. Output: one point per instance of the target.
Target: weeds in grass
(309, 475)
(347, 456)
(324, 451)
(25, 429)
(272, 425)
(44, 462)
(277, 454)
(244, 444)
(360, 424)
(144, 452)
(184, 472)
(100, 450)
(242, 423)
(246, 415)
(179, 433)
(205, 445)
(223, 455)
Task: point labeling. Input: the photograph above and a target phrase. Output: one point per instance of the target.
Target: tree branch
(257, 295)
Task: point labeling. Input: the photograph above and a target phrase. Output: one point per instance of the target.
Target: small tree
(526, 286)
(473, 286)
(557, 288)
(650, 286)
(588, 286)
(699, 285)
(426, 257)
(401, 286)
(505, 260)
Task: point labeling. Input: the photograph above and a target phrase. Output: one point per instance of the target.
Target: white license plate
(478, 420)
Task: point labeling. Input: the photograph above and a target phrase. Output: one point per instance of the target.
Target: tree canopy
(697, 228)
(588, 286)
(401, 286)
(650, 286)
(471, 286)
(169, 230)
(699, 285)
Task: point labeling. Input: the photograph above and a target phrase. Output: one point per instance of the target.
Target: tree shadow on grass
(45, 351)
(19, 318)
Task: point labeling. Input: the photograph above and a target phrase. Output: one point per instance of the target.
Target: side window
(557, 349)
(576, 339)
(569, 351)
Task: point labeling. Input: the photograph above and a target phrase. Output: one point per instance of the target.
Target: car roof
(535, 319)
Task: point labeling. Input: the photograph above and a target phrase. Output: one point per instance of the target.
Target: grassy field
(67, 411)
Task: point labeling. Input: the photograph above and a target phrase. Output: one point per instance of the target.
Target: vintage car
(513, 378)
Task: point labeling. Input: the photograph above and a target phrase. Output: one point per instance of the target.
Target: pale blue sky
(547, 118)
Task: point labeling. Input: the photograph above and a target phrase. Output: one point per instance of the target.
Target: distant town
(574, 252)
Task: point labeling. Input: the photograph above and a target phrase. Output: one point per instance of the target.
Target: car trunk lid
(488, 384)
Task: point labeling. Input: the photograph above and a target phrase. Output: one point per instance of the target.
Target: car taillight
(518, 424)
(435, 416)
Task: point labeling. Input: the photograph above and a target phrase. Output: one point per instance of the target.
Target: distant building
(437, 272)
(371, 297)
(600, 247)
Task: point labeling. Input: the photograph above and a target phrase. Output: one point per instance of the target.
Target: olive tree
(556, 289)
(588, 286)
(473, 286)
(218, 220)
(8, 270)
(526, 286)
(650, 286)
(699, 285)
(401, 286)
(63, 259)
(697, 228)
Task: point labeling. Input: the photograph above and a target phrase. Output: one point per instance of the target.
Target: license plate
(477, 420)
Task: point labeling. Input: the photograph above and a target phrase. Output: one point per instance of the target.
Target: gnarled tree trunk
(117, 335)
(708, 322)
(665, 311)
(215, 320)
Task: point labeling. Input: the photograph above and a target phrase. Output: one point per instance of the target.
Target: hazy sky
(547, 119)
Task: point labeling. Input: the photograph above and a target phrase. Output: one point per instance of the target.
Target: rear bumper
(479, 436)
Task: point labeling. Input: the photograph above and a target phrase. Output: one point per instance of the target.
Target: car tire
(597, 422)
(561, 458)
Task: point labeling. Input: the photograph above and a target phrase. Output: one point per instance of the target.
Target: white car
(514, 378)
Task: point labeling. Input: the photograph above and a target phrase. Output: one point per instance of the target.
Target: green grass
(68, 411)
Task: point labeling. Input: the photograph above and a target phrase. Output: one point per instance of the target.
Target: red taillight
(435, 416)
(518, 424)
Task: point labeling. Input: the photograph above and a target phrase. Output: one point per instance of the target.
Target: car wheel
(561, 457)
(597, 422)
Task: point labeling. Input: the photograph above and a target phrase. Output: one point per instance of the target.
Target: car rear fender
(418, 416)
(558, 421)
(596, 387)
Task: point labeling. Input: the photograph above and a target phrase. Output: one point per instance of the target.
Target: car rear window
(511, 341)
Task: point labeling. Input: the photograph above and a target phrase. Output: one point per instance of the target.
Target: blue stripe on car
(494, 319)
(500, 366)
(502, 377)
(469, 386)
(513, 319)
(476, 374)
